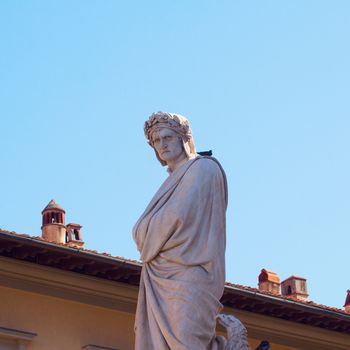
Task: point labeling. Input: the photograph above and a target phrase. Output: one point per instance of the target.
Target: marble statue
(181, 238)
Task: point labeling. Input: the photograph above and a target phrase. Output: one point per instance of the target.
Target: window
(13, 339)
(76, 234)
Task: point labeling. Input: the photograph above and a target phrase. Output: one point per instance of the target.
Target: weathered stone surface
(181, 238)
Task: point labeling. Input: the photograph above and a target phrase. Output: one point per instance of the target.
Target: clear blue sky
(265, 84)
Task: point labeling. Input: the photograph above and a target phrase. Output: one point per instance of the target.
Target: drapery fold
(181, 238)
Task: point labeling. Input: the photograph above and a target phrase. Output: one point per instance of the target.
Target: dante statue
(181, 237)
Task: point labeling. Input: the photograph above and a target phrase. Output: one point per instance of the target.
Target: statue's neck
(177, 164)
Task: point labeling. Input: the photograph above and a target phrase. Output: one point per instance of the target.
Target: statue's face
(168, 145)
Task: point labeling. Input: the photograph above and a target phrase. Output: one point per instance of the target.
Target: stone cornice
(67, 285)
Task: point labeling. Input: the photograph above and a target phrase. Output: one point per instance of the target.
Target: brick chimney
(295, 287)
(347, 302)
(74, 236)
(53, 228)
(269, 281)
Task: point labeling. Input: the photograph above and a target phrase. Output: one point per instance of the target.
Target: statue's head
(170, 136)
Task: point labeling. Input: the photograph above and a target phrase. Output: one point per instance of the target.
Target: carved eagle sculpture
(236, 332)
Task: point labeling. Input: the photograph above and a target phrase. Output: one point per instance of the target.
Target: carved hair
(175, 122)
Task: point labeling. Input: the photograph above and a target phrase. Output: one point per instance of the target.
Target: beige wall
(62, 324)
(66, 310)
(68, 325)
(69, 310)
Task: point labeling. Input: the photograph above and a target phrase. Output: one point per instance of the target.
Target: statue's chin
(166, 156)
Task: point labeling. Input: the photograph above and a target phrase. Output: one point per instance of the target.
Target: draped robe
(181, 237)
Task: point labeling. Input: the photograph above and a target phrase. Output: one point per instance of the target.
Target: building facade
(56, 295)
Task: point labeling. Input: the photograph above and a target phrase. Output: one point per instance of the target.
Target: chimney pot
(295, 287)
(269, 281)
(74, 236)
(347, 301)
(53, 228)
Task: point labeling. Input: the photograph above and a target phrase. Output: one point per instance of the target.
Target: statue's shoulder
(206, 164)
(206, 171)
